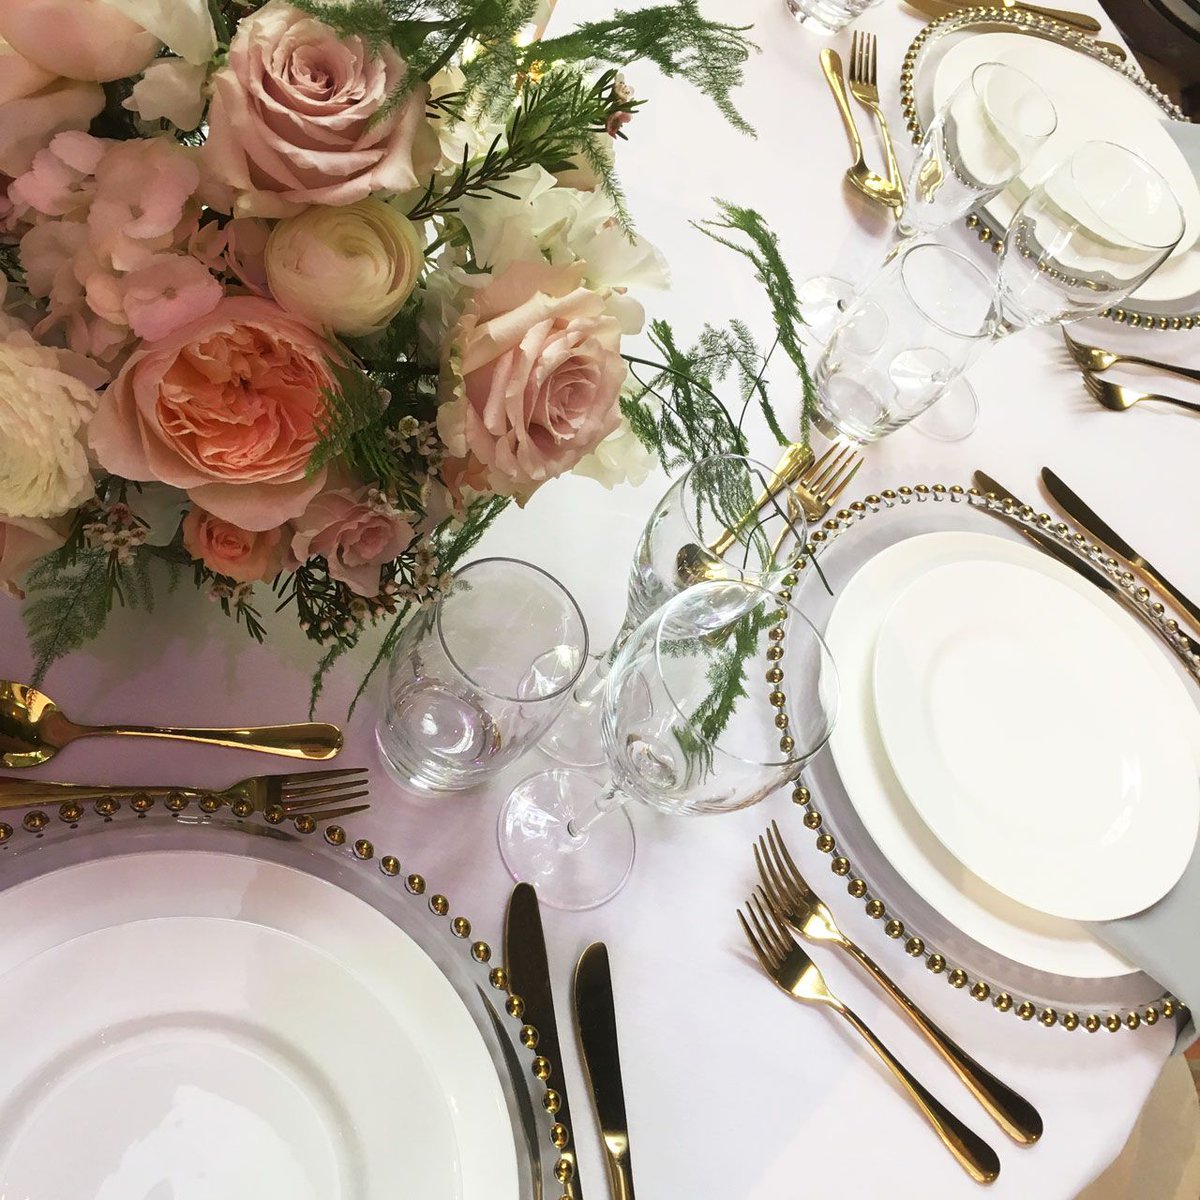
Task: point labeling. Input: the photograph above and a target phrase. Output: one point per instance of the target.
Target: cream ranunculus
(349, 268)
(43, 464)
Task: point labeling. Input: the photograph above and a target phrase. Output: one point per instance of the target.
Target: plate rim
(1148, 315)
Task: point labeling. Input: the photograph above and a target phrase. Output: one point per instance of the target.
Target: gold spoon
(33, 730)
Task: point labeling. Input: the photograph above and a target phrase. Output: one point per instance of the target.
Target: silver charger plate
(846, 540)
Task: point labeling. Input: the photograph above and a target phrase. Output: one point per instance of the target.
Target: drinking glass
(714, 702)
(980, 140)
(479, 676)
(711, 523)
(1090, 234)
(903, 342)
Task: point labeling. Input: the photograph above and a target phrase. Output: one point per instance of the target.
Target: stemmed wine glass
(714, 702)
(714, 522)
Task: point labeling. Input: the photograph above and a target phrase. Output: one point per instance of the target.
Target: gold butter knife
(1080, 21)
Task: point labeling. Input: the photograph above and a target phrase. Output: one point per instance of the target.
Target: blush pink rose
(354, 537)
(35, 105)
(227, 408)
(79, 39)
(242, 554)
(291, 121)
(23, 540)
(533, 375)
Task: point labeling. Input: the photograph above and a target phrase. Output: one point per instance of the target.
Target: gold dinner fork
(803, 910)
(1122, 399)
(1093, 358)
(821, 483)
(322, 795)
(794, 972)
(865, 89)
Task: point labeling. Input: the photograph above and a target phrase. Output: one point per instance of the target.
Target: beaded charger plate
(218, 1004)
(916, 75)
(932, 909)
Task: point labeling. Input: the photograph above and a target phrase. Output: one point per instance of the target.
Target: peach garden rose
(532, 380)
(227, 408)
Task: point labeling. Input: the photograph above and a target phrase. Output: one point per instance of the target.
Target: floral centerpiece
(299, 296)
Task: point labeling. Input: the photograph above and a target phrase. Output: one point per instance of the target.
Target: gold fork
(795, 973)
(1122, 399)
(803, 910)
(865, 89)
(1093, 358)
(322, 795)
(822, 482)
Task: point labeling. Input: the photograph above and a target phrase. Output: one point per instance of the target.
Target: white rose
(349, 268)
(620, 458)
(43, 463)
(184, 25)
(170, 88)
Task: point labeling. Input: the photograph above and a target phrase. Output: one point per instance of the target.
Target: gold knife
(1080, 21)
(596, 1021)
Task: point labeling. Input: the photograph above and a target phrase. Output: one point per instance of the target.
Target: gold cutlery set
(33, 729)
(784, 906)
(596, 1025)
(1093, 361)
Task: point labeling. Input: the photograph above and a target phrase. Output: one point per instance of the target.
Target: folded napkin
(1162, 941)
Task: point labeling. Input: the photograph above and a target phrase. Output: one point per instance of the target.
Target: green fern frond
(69, 599)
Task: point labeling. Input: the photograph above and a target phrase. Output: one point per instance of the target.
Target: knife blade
(1081, 21)
(596, 1021)
(1080, 566)
(529, 978)
(1072, 504)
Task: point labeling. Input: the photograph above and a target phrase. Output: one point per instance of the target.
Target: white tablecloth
(733, 1092)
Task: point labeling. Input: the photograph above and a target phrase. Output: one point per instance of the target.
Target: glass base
(953, 417)
(574, 739)
(573, 873)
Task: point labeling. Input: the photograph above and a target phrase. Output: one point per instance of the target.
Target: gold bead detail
(801, 795)
(1091, 1023)
(305, 824)
(481, 952)
(35, 821)
(335, 835)
(914, 946)
(6, 831)
(1003, 1002)
(1049, 1017)
(106, 806)
(776, 634)
(936, 963)
(529, 1037)
(1026, 1011)
(389, 864)
(240, 808)
(857, 888)
(210, 804)
(775, 675)
(1168, 1008)
(274, 814)
(1151, 1016)
(363, 849)
(141, 803)
(415, 884)
(439, 905)
(551, 1101)
(515, 1007)
(1133, 1020)
(981, 991)
(840, 865)
(957, 978)
(777, 699)
(176, 801)
(782, 720)
(71, 810)
(790, 579)
(875, 909)
(498, 978)
(774, 653)
(541, 1068)
(812, 820)
(461, 927)
(1112, 1022)
(564, 1172)
(787, 743)
(825, 843)
(894, 929)
(559, 1136)
(1070, 1021)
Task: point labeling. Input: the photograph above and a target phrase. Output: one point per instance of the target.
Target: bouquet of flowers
(299, 295)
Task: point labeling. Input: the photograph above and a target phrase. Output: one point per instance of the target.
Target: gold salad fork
(803, 910)
(820, 484)
(794, 972)
(1122, 399)
(865, 89)
(322, 795)
(1093, 358)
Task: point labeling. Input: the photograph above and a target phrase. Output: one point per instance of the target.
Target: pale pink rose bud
(227, 549)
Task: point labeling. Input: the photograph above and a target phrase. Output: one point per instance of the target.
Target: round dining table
(732, 1091)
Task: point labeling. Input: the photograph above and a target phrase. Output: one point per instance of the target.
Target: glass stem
(591, 687)
(603, 803)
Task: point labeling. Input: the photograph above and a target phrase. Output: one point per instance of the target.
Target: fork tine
(322, 789)
(872, 44)
(302, 777)
(1092, 384)
(787, 864)
(335, 814)
(831, 471)
(854, 57)
(762, 926)
(773, 883)
(783, 940)
(331, 797)
(840, 486)
(810, 472)
(760, 950)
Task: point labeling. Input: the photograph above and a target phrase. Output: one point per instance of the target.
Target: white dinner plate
(987, 916)
(200, 1024)
(1035, 741)
(1093, 102)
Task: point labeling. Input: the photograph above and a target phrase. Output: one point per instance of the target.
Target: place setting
(333, 316)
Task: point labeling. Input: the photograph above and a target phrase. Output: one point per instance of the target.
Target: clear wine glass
(987, 132)
(478, 677)
(1087, 236)
(714, 702)
(710, 524)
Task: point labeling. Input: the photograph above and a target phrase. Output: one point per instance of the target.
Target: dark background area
(1165, 37)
